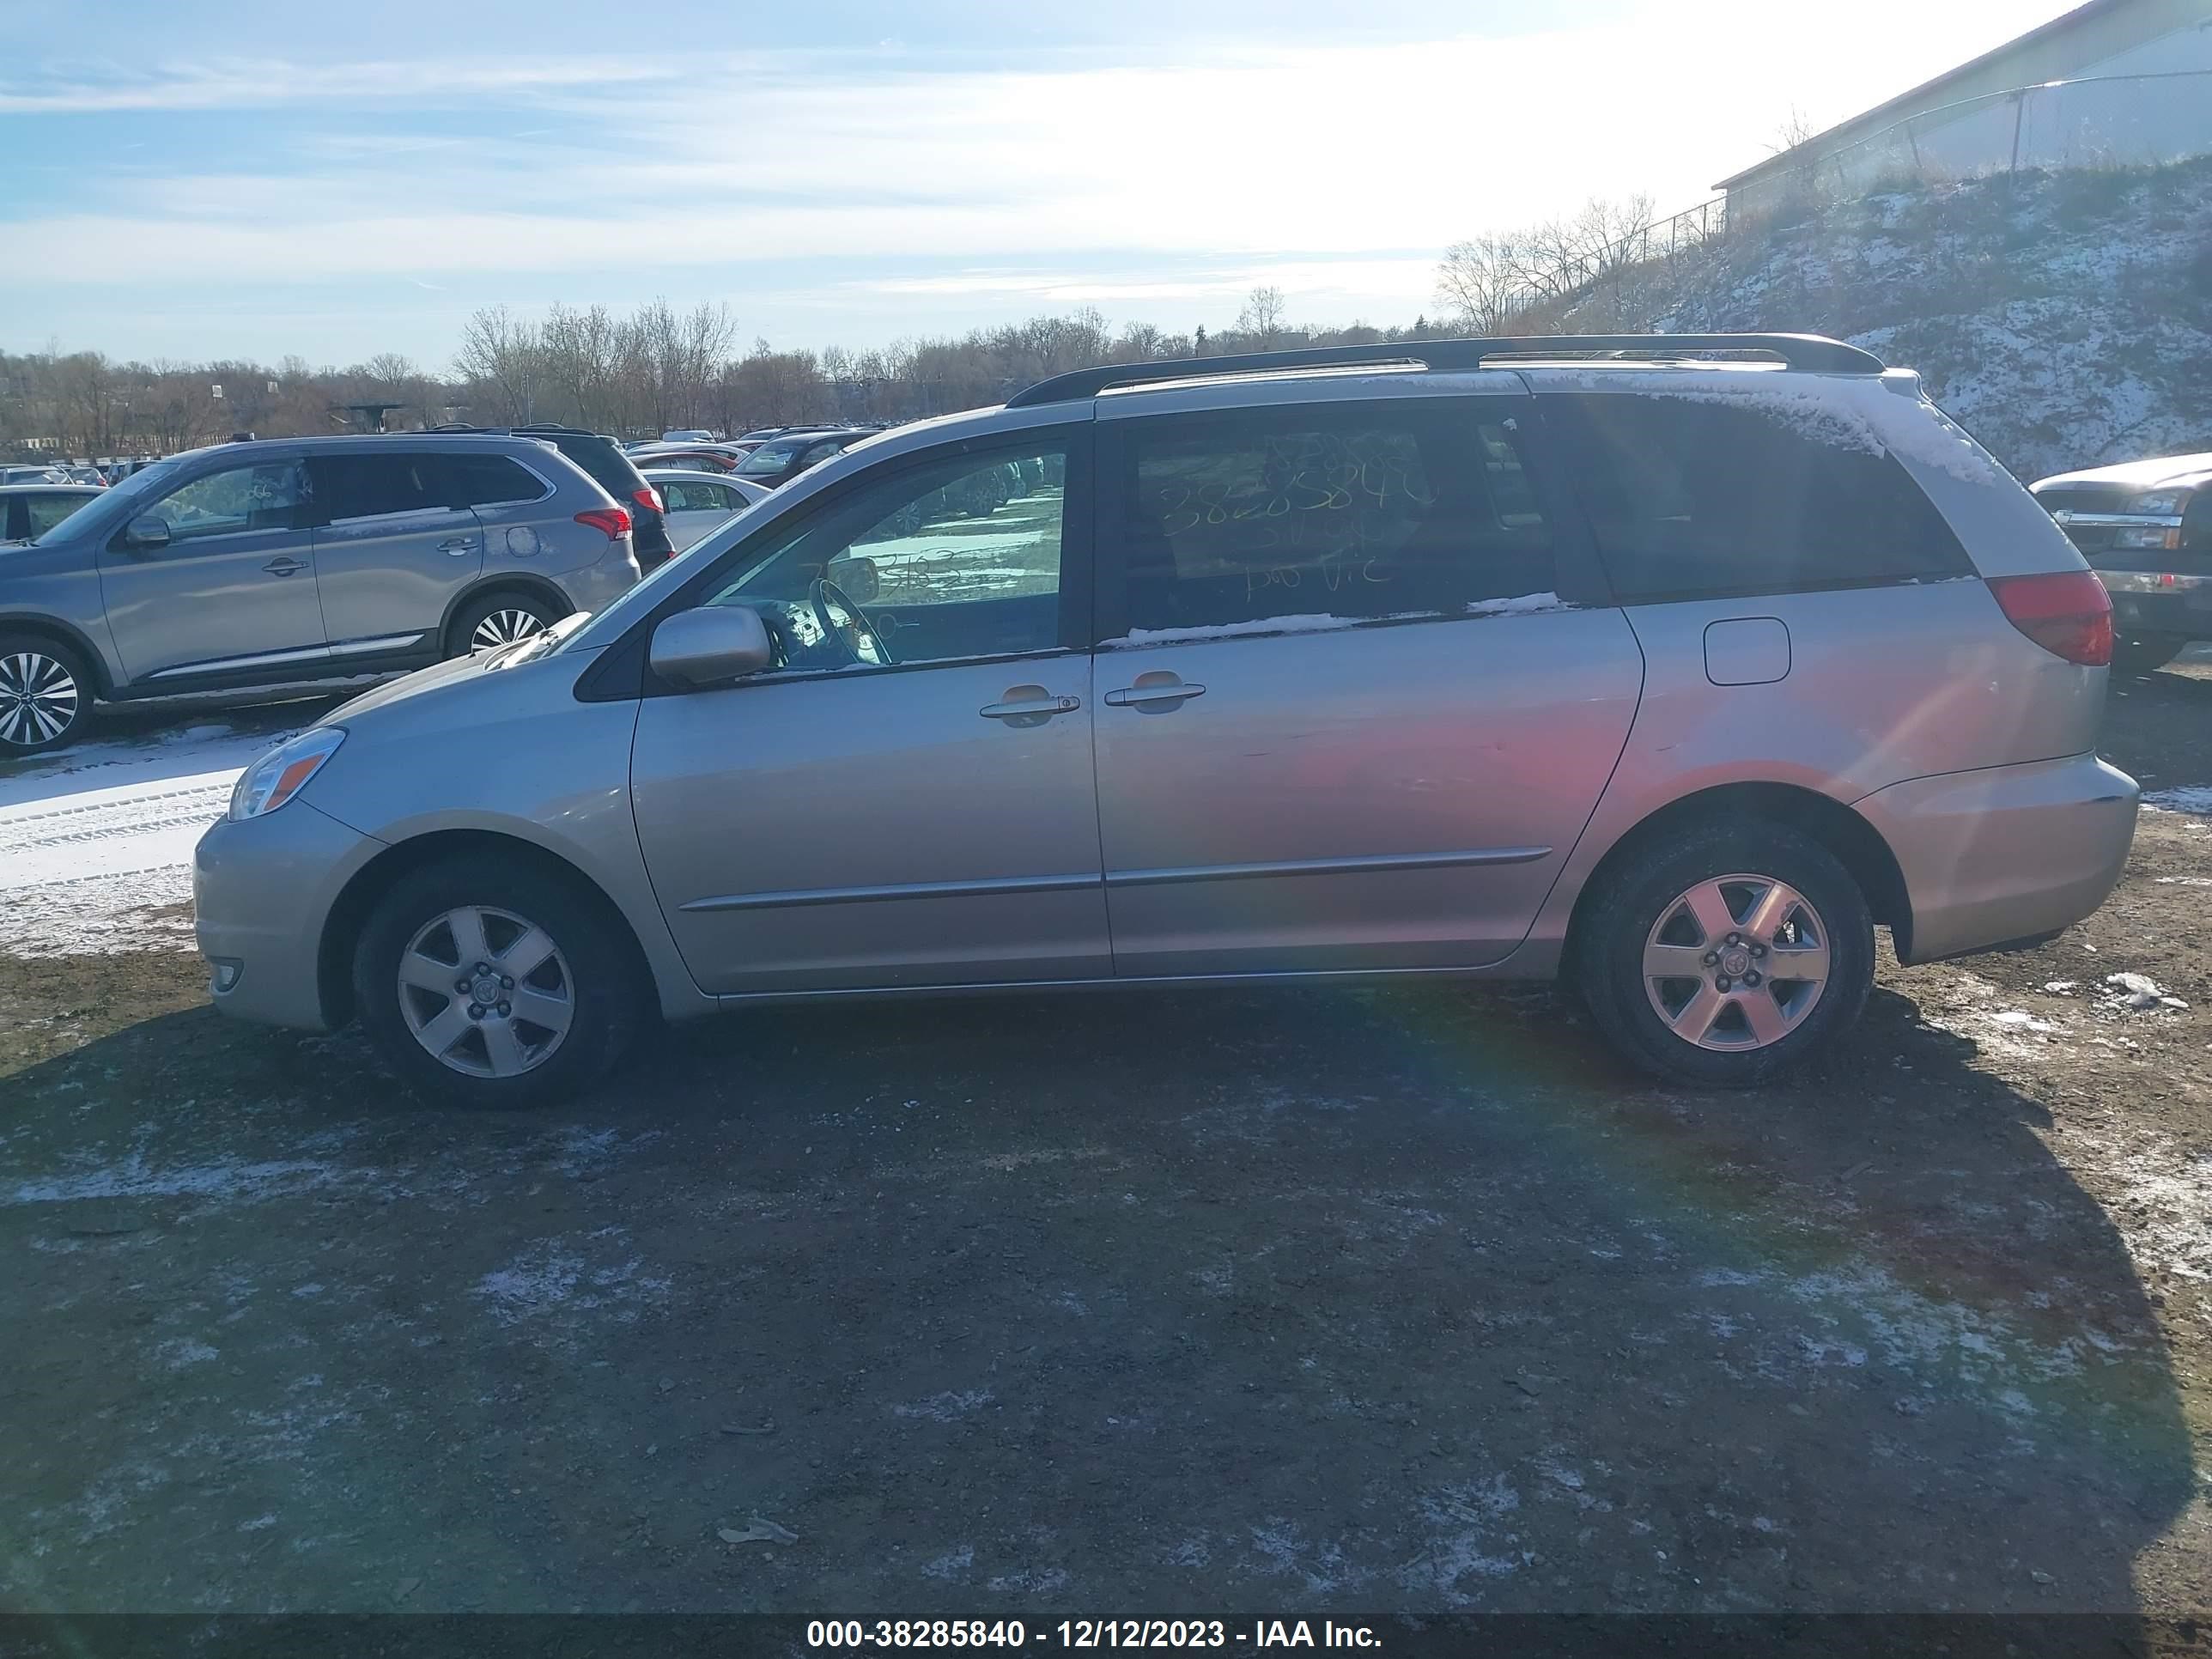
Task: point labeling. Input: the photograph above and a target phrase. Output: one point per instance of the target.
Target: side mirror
(148, 531)
(711, 645)
(856, 577)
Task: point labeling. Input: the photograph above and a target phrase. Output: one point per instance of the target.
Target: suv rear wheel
(498, 619)
(1720, 958)
(490, 984)
(46, 694)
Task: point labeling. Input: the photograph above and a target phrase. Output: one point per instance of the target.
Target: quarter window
(1745, 492)
(266, 496)
(488, 481)
(1356, 510)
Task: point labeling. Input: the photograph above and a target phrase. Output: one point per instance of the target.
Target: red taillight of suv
(2066, 612)
(648, 498)
(612, 522)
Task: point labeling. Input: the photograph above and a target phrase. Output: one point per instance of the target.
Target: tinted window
(265, 496)
(1691, 496)
(367, 484)
(607, 465)
(488, 481)
(1366, 509)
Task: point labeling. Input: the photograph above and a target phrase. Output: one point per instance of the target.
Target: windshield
(769, 459)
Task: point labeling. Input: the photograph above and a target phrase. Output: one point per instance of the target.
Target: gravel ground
(1178, 1303)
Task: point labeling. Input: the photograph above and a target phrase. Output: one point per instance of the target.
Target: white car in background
(697, 501)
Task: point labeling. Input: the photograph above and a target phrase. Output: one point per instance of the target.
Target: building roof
(1922, 97)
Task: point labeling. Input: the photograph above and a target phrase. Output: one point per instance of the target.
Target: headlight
(2164, 505)
(2146, 535)
(283, 772)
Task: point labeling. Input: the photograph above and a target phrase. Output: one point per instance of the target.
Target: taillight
(648, 498)
(2066, 612)
(612, 522)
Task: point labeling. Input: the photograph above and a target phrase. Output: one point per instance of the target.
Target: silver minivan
(1674, 665)
(255, 563)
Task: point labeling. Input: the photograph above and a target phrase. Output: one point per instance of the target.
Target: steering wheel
(845, 622)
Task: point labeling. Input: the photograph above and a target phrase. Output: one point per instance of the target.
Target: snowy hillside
(2065, 318)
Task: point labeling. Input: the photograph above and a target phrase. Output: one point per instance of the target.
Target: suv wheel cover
(39, 698)
(504, 627)
(1736, 963)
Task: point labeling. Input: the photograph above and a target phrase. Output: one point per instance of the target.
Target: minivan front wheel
(1722, 957)
(489, 984)
(45, 696)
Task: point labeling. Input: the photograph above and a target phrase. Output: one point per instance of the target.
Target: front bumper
(2005, 851)
(262, 891)
(2160, 602)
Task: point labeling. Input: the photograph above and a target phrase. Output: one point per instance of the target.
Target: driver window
(266, 496)
(955, 558)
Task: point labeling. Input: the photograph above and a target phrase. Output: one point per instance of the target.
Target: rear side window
(488, 481)
(1347, 510)
(1693, 497)
(365, 484)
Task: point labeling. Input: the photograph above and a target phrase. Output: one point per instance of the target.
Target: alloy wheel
(504, 627)
(39, 698)
(486, 992)
(1736, 963)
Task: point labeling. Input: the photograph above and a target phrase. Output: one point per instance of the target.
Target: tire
(511, 614)
(2143, 654)
(1647, 912)
(594, 968)
(46, 694)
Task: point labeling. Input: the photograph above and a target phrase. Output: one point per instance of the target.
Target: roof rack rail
(1811, 352)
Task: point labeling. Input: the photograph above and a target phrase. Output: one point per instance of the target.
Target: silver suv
(1501, 658)
(262, 563)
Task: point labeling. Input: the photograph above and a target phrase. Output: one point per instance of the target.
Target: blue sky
(192, 179)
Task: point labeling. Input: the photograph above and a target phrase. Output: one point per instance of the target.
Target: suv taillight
(648, 498)
(610, 521)
(2066, 612)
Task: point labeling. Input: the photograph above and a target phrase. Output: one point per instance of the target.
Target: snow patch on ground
(2196, 797)
(96, 840)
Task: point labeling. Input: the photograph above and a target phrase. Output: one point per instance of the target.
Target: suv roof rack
(1812, 352)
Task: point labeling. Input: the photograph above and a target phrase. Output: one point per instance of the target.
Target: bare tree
(505, 355)
(1262, 316)
(1480, 283)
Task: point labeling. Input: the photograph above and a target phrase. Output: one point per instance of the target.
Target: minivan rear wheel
(46, 694)
(486, 983)
(1722, 957)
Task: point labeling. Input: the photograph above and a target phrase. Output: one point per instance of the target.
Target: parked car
(696, 458)
(32, 509)
(294, 560)
(697, 502)
(688, 435)
(603, 460)
(39, 474)
(2145, 529)
(1674, 677)
(85, 475)
(779, 460)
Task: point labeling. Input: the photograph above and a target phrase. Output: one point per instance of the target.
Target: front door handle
(1029, 705)
(282, 566)
(458, 545)
(1156, 692)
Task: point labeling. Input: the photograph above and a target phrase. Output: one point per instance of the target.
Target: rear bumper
(2007, 852)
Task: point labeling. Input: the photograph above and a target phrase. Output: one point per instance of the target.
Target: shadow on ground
(1198, 1303)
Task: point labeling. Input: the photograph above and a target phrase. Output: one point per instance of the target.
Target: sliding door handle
(1155, 693)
